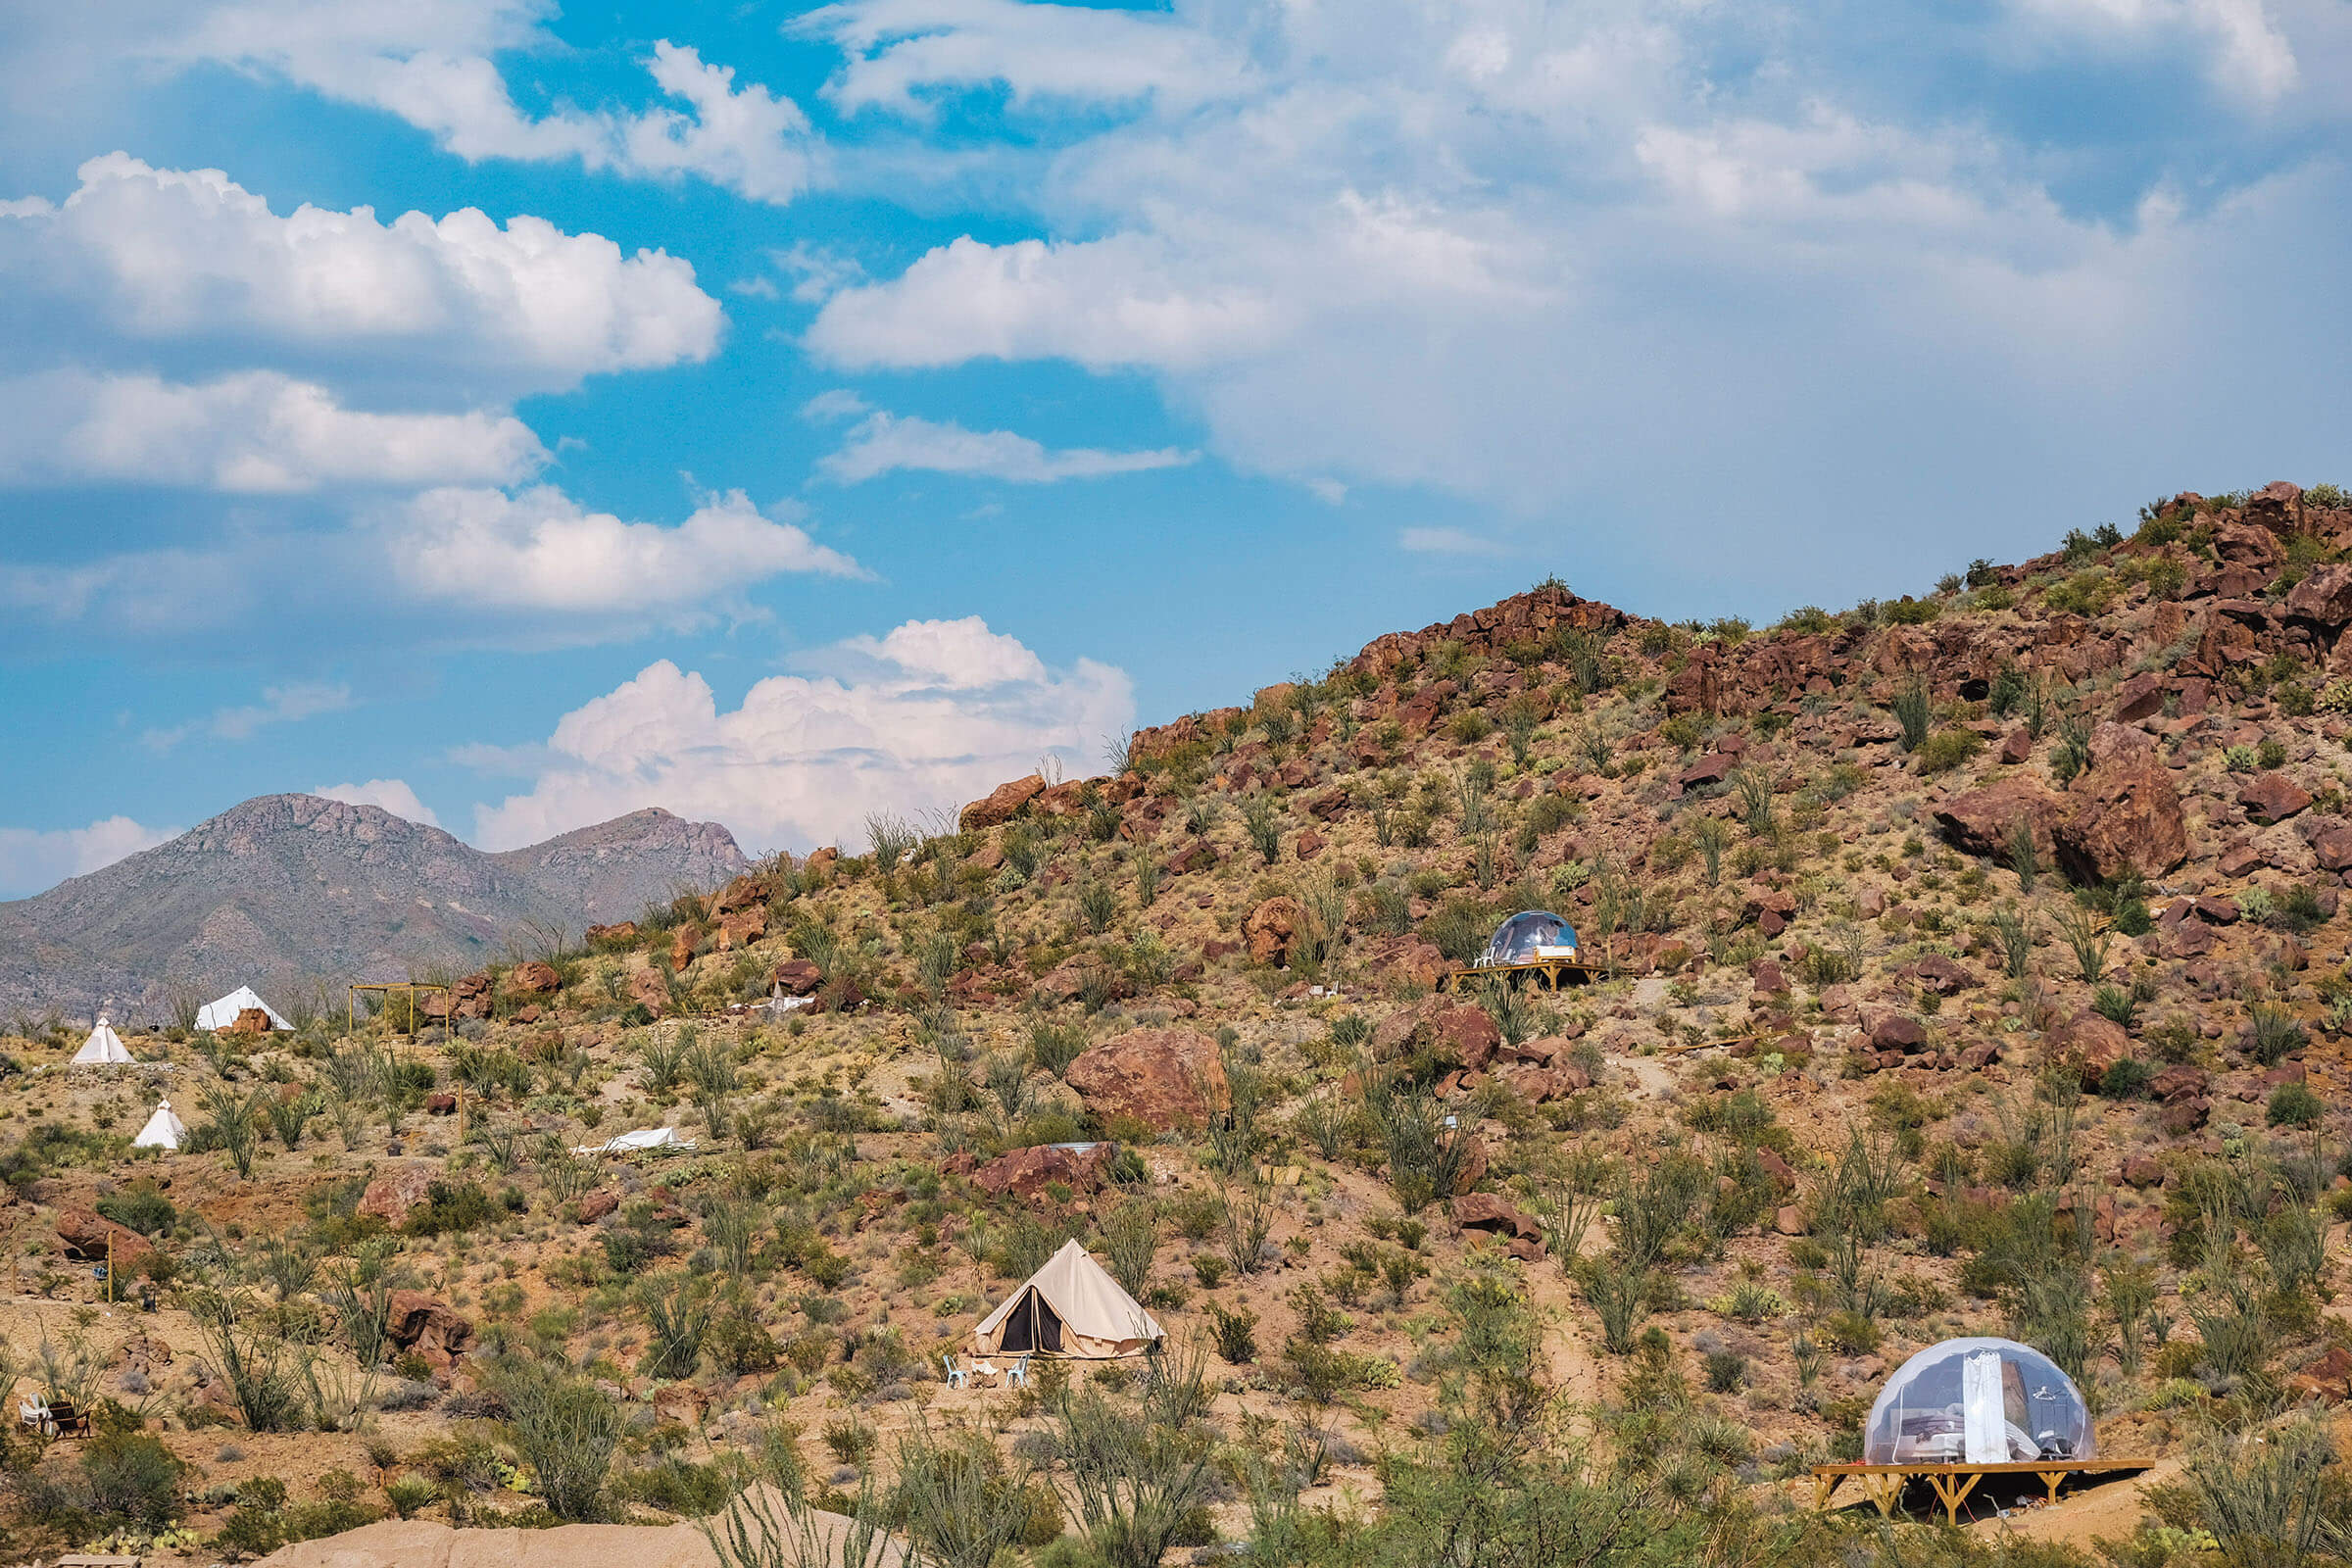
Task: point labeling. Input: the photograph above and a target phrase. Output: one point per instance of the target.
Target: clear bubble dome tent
(1977, 1401)
(1530, 937)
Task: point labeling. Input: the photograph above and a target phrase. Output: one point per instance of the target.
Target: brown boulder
(2241, 544)
(1271, 928)
(597, 1205)
(799, 977)
(2322, 598)
(649, 989)
(1198, 855)
(1450, 1034)
(1003, 804)
(1161, 1077)
(1028, 1172)
(1981, 822)
(2333, 848)
(426, 1326)
(2090, 1044)
(2127, 811)
(1419, 960)
(1942, 976)
(2140, 696)
(2018, 746)
(619, 935)
(2273, 797)
(84, 1233)
(740, 928)
(473, 999)
(534, 979)
(395, 1192)
(1485, 1211)
(1712, 768)
(1898, 1031)
(2328, 1379)
(251, 1021)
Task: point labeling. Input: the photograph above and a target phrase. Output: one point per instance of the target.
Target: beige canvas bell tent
(104, 1048)
(1070, 1308)
(164, 1129)
(223, 1014)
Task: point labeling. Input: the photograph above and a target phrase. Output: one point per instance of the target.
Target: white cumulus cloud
(190, 255)
(429, 62)
(882, 443)
(253, 432)
(391, 794)
(32, 860)
(936, 714)
(1540, 256)
(540, 549)
(904, 52)
(288, 704)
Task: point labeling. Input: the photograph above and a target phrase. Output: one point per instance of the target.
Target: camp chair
(1016, 1375)
(56, 1418)
(958, 1377)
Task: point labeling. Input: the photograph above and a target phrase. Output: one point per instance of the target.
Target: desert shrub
(1235, 1331)
(142, 1206)
(450, 1208)
(1912, 712)
(2295, 1106)
(2272, 1032)
(1054, 1047)
(1949, 749)
(565, 1429)
(132, 1479)
(2128, 1079)
(1460, 928)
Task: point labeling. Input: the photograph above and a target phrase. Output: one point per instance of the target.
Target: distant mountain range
(288, 889)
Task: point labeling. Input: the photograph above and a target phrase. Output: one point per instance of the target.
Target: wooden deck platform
(1882, 1484)
(1553, 974)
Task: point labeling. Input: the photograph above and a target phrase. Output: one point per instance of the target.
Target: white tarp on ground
(164, 1129)
(221, 1015)
(104, 1048)
(1071, 1308)
(635, 1142)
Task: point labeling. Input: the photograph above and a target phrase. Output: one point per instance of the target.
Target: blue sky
(516, 415)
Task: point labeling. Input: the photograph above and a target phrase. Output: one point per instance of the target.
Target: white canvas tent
(164, 1129)
(221, 1015)
(104, 1048)
(1070, 1308)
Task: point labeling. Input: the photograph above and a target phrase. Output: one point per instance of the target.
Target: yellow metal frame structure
(1883, 1484)
(411, 987)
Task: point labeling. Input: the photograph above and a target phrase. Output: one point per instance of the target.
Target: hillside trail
(1572, 1360)
(2110, 1510)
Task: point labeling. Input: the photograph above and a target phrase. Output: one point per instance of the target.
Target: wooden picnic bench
(1883, 1484)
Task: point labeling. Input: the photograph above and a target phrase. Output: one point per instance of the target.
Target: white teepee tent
(1071, 1308)
(164, 1129)
(221, 1015)
(104, 1048)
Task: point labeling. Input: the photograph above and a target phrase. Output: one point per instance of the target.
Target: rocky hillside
(1968, 963)
(285, 888)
